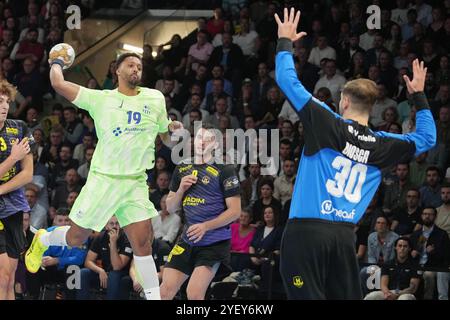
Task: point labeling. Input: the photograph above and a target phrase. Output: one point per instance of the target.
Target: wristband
(58, 62)
(420, 101)
(284, 44)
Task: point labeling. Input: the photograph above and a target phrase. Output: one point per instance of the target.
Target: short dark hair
(70, 108)
(434, 168)
(125, 55)
(403, 239)
(286, 141)
(429, 207)
(445, 185)
(62, 212)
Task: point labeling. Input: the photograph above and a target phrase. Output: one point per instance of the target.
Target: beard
(428, 223)
(133, 81)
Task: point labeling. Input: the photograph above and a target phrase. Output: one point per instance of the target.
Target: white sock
(57, 237)
(147, 276)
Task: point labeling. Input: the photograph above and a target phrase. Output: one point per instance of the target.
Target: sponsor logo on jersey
(146, 109)
(205, 180)
(355, 153)
(12, 131)
(297, 281)
(117, 131)
(327, 209)
(192, 201)
(185, 168)
(366, 138)
(230, 183)
(213, 171)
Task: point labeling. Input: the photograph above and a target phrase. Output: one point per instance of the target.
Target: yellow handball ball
(63, 52)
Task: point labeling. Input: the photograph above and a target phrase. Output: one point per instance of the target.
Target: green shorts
(104, 196)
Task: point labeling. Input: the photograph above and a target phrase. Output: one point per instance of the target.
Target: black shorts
(318, 260)
(186, 258)
(12, 237)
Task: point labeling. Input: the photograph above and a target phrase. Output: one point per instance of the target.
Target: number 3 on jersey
(3, 145)
(348, 181)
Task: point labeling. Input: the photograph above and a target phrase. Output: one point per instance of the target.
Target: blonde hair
(8, 90)
(362, 93)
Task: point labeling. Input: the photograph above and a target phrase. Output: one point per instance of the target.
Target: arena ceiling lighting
(129, 47)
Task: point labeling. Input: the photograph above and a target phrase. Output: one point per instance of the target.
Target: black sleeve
(175, 181)
(96, 245)
(229, 182)
(26, 133)
(385, 269)
(125, 246)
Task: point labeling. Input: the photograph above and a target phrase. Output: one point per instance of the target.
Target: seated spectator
(382, 103)
(399, 276)
(73, 128)
(199, 52)
(215, 25)
(71, 198)
(162, 188)
(161, 164)
(286, 130)
(260, 86)
(64, 163)
(220, 110)
(194, 104)
(381, 242)
(241, 237)
(50, 153)
(30, 85)
(331, 80)
(418, 170)
(38, 214)
(32, 118)
(56, 260)
(33, 24)
(38, 135)
(269, 109)
(389, 116)
(171, 111)
(430, 193)
(216, 93)
(166, 227)
(324, 95)
(110, 81)
(62, 192)
(321, 51)
(409, 125)
(395, 193)
(283, 185)
(217, 72)
(250, 186)
(83, 170)
(266, 199)
(366, 226)
(80, 149)
(430, 249)
(266, 243)
(106, 263)
(407, 220)
(29, 48)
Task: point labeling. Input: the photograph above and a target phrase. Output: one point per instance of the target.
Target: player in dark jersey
(341, 168)
(16, 170)
(209, 196)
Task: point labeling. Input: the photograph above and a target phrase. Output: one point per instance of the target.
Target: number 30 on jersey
(348, 181)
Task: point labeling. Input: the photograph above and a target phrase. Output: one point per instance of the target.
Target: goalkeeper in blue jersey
(341, 168)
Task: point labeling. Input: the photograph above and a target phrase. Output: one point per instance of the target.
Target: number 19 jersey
(126, 127)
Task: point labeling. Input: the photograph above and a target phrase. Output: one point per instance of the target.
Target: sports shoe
(33, 256)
